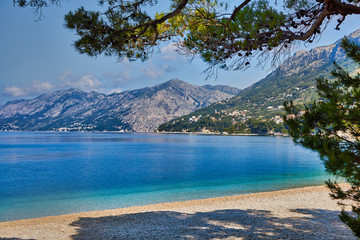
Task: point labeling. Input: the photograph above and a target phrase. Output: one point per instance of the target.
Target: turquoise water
(44, 174)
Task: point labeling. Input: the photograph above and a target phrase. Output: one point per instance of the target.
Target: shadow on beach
(16, 239)
(223, 224)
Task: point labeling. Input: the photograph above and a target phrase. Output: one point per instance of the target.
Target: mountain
(223, 88)
(140, 110)
(294, 79)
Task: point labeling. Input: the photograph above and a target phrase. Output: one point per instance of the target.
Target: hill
(140, 110)
(261, 104)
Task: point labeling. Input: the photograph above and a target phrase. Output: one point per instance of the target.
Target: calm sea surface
(45, 174)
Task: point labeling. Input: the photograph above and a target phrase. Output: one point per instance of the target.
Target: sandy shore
(303, 213)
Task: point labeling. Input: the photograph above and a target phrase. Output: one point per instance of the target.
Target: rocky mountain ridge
(315, 58)
(141, 110)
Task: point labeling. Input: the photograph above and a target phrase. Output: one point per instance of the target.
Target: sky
(38, 57)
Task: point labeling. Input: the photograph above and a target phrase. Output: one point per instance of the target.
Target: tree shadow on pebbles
(223, 224)
(15, 239)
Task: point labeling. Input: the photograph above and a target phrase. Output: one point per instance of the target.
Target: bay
(43, 174)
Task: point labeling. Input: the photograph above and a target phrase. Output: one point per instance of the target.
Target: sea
(53, 173)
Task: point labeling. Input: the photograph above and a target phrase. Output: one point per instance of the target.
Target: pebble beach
(301, 213)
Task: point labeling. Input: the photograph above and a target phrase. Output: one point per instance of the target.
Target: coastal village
(230, 122)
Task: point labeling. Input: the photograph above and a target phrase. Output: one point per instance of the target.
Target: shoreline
(155, 132)
(292, 213)
(226, 134)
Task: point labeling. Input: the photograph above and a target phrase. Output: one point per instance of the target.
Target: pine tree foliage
(222, 35)
(331, 127)
(37, 5)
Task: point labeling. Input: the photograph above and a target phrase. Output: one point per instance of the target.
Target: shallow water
(45, 174)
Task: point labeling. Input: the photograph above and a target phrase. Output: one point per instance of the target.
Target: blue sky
(38, 57)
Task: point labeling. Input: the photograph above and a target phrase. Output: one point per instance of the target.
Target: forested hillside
(259, 108)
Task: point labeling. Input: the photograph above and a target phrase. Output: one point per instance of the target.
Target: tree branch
(341, 7)
(180, 7)
(314, 26)
(237, 9)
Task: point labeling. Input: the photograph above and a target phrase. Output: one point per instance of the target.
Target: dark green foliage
(264, 127)
(35, 3)
(223, 123)
(331, 127)
(122, 30)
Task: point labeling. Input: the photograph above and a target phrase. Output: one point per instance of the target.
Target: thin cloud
(38, 86)
(115, 90)
(168, 52)
(14, 91)
(35, 88)
(86, 82)
(122, 77)
(156, 72)
(168, 69)
(152, 72)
